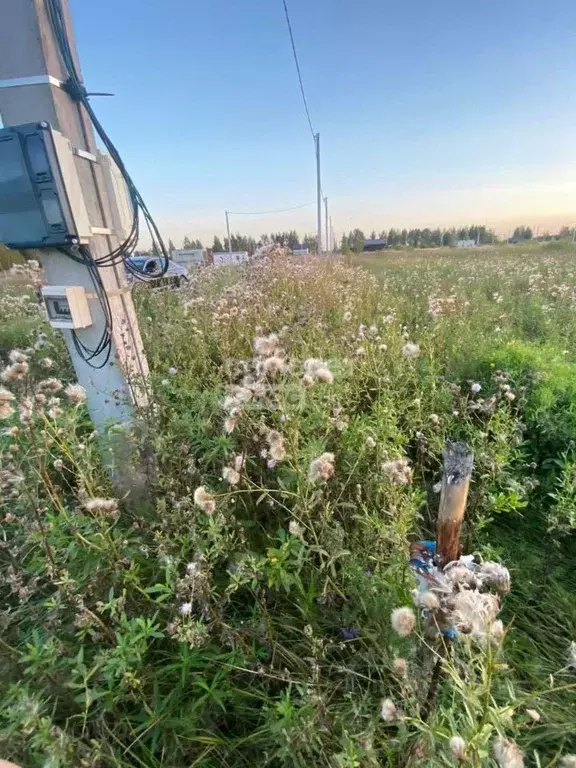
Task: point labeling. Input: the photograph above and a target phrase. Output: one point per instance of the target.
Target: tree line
(289, 239)
(355, 240)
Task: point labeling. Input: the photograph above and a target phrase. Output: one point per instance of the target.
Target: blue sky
(429, 112)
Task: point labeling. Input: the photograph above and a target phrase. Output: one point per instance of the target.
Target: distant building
(188, 256)
(465, 243)
(225, 257)
(376, 245)
(300, 250)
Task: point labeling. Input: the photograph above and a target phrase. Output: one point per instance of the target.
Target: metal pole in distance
(228, 230)
(327, 241)
(318, 192)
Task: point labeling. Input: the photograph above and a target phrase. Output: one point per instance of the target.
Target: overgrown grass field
(239, 604)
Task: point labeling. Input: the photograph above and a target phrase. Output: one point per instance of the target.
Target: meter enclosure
(67, 306)
(41, 201)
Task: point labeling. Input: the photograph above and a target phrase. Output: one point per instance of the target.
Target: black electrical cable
(77, 91)
(104, 346)
(300, 81)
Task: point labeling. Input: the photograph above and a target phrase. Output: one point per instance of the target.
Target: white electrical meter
(67, 306)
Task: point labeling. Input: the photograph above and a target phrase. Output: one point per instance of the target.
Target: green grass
(284, 649)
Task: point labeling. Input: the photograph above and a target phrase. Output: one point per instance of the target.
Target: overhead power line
(264, 213)
(302, 91)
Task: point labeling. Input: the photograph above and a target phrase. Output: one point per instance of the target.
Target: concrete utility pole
(228, 230)
(32, 76)
(332, 239)
(318, 192)
(327, 243)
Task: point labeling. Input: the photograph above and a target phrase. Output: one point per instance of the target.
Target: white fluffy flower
(266, 345)
(475, 387)
(403, 621)
(410, 349)
(400, 666)
(273, 365)
(458, 747)
(321, 468)
(231, 476)
(204, 500)
(507, 753)
(296, 529)
(389, 711)
(317, 370)
(185, 609)
(398, 470)
(75, 393)
(572, 655)
(427, 600)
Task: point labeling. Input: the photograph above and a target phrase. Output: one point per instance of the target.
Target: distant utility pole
(326, 224)
(332, 240)
(228, 230)
(32, 90)
(318, 192)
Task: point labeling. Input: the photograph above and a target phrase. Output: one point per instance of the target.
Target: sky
(430, 113)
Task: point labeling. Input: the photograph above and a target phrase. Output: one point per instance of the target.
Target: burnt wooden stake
(458, 462)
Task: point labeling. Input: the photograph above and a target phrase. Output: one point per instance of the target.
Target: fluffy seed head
(49, 386)
(274, 365)
(75, 393)
(388, 711)
(229, 425)
(204, 500)
(497, 631)
(317, 370)
(458, 747)
(276, 445)
(321, 468)
(103, 506)
(400, 666)
(410, 349)
(6, 410)
(266, 345)
(16, 356)
(307, 380)
(5, 395)
(428, 600)
(398, 471)
(296, 529)
(370, 442)
(325, 375)
(475, 387)
(14, 372)
(46, 362)
(495, 575)
(507, 753)
(568, 761)
(185, 609)
(572, 655)
(231, 476)
(534, 715)
(403, 621)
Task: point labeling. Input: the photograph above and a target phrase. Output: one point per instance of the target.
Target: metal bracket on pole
(86, 155)
(16, 82)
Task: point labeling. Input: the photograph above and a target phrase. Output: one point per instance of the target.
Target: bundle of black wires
(98, 356)
(76, 89)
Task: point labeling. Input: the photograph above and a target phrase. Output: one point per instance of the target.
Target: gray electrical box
(41, 203)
